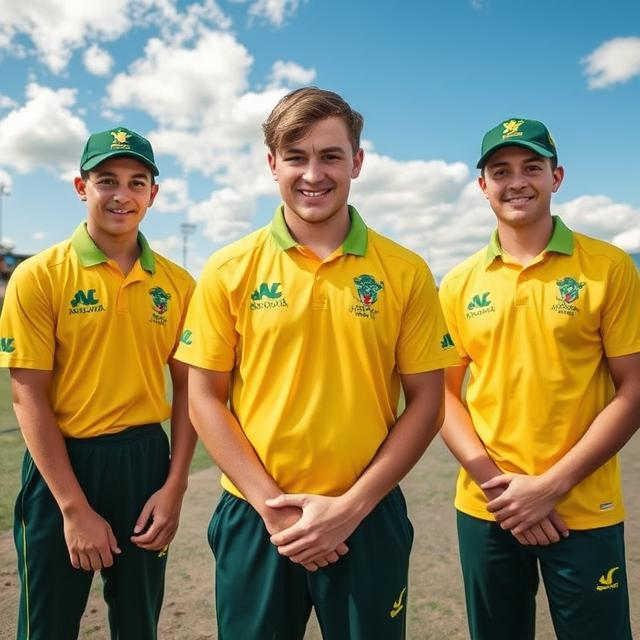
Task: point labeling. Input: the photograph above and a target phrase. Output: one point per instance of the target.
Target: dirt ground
(436, 610)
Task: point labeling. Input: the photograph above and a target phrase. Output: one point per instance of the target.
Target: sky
(429, 77)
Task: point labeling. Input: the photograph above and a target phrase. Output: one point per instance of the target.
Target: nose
(518, 180)
(312, 172)
(121, 193)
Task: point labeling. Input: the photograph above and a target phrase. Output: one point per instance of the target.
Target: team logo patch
(120, 140)
(85, 302)
(367, 291)
(511, 128)
(569, 290)
(7, 345)
(447, 341)
(480, 304)
(267, 296)
(185, 338)
(605, 581)
(160, 304)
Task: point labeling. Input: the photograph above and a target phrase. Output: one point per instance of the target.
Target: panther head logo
(160, 299)
(368, 288)
(569, 289)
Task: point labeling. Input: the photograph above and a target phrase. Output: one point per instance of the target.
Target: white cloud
(6, 102)
(598, 216)
(57, 28)
(39, 235)
(180, 87)
(614, 61)
(629, 240)
(5, 181)
(165, 246)
(290, 73)
(44, 132)
(97, 61)
(275, 11)
(173, 196)
(226, 214)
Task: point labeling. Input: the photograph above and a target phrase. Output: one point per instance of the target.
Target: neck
(124, 249)
(323, 237)
(525, 243)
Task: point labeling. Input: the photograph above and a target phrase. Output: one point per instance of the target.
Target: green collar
(355, 242)
(90, 255)
(561, 241)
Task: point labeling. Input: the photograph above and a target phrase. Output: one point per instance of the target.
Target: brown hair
(300, 109)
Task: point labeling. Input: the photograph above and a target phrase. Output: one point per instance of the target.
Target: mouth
(120, 212)
(518, 200)
(314, 194)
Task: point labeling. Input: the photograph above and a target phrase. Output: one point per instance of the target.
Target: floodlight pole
(187, 229)
(4, 191)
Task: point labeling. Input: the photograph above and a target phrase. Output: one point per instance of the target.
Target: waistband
(130, 434)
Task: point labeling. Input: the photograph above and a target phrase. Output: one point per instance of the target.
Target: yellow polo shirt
(536, 341)
(105, 336)
(316, 347)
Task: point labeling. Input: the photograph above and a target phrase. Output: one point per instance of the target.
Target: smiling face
(518, 184)
(118, 193)
(314, 174)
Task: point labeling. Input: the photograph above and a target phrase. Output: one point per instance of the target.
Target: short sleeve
(27, 324)
(620, 320)
(209, 337)
(424, 344)
(447, 300)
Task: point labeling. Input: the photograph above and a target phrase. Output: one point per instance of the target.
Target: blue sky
(430, 78)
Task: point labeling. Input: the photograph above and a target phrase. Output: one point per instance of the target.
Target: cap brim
(540, 150)
(92, 163)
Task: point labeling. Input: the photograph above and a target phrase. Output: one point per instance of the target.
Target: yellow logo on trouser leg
(163, 552)
(606, 582)
(397, 605)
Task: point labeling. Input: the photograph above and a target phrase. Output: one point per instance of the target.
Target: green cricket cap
(114, 143)
(521, 132)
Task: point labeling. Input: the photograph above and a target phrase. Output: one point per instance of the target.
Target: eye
(138, 184)
(107, 182)
(293, 158)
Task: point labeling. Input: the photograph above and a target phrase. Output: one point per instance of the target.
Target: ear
(482, 183)
(558, 177)
(358, 159)
(154, 193)
(80, 187)
(271, 159)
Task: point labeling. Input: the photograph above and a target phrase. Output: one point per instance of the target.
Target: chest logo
(267, 296)
(367, 291)
(85, 302)
(480, 304)
(160, 304)
(569, 290)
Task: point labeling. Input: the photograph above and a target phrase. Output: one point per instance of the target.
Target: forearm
(462, 440)
(45, 441)
(404, 446)
(183, 435)
(606, 435)
(227, 444)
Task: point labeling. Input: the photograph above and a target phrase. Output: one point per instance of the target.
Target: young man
(87, 329)
(311, 325)
(546, 321)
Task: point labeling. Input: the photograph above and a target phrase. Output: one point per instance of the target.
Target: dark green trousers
(117, 473)
(584, 577)
(261, 595)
